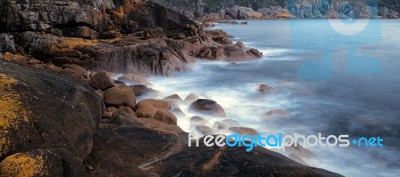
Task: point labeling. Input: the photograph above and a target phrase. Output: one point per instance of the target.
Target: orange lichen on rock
(283, 15)
(72, 43)
(69, 44)
(12, 111)
(11, 57)
(21, 165)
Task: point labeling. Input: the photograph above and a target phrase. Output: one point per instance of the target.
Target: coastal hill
(268, 9)
(62, 114)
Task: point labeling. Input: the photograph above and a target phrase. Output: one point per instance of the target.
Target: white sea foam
(234, 87)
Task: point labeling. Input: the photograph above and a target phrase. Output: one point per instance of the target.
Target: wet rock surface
(209, 107)
(264, 88)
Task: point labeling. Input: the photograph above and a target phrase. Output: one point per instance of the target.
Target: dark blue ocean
(331, 77)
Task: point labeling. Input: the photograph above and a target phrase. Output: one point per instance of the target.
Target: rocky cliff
(289, 8)
(120, 36)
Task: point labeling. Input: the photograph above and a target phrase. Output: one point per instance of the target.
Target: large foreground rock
(216, 161)
(137, 151)
(46, 121)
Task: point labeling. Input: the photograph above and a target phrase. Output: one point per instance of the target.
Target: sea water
(330, 76)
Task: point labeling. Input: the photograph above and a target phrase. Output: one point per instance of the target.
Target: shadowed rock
(207, 107)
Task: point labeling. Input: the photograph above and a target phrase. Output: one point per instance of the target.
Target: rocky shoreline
(57, 125)
(135, 37)
(63, 114)
(283, 9)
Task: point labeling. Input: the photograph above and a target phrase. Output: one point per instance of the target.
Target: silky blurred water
(328, 82)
